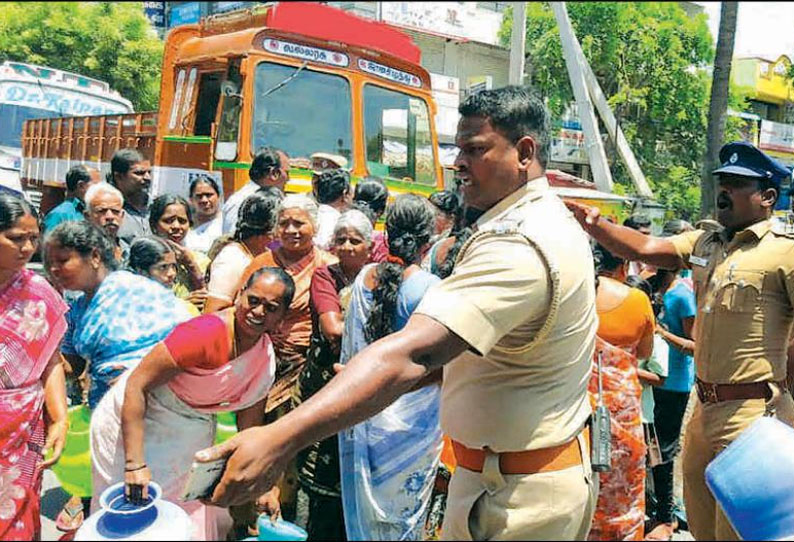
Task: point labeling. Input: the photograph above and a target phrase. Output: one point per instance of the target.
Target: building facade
(771, 100)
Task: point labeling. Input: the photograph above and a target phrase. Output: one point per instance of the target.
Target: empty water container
(278, 530)
(753, 481)
(121, 520)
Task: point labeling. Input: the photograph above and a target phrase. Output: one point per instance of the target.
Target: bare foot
(662, 531)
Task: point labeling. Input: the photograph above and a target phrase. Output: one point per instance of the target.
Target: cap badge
(733, 158)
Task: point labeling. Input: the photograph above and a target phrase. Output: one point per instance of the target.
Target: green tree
(651, 61)
(109, 41)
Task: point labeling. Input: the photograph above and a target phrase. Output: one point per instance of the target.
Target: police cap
(743, 159)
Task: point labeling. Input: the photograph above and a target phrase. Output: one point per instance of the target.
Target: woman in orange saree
(296, 225)
(625, 333)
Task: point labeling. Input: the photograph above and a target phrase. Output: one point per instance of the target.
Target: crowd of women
(159, 335)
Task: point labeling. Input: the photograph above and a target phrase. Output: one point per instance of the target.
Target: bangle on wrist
(133, 467)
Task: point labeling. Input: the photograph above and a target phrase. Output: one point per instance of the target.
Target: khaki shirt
(497, 299)
(745, 297)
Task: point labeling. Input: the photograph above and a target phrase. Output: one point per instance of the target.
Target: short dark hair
(637, 221)
(372, 193)
(265, 160)
(515, 112)
(161, 203)
(203, 178)
(122, 161)
(146, 252)
(12, 209)
(83, 237)
(331, 185)
(282, 276)
(77, 174)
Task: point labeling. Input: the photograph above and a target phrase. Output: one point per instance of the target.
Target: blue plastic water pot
(280, 530)
(119, 519)
(753, 481)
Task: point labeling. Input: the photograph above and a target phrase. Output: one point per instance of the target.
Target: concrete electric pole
(596, 154)
(518, 43)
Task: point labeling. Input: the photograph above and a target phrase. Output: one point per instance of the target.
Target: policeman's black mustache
(724, 201)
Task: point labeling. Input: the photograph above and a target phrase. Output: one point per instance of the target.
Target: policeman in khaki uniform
(514, 327)
(744, 284)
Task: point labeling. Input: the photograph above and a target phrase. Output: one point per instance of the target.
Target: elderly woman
(31, 326)
(154, 258)
(253, 234)
(388, 463)
(296, 221)
(170, 218)
(318, 465)
(296, 224)
(155, 419)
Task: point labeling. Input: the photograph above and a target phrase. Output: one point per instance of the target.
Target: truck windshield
(12, 117)
(310, 113)
(397, 132)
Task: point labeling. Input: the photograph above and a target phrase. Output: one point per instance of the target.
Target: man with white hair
(105, 208)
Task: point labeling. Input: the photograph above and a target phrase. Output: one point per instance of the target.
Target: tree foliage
(652, 62)
(109, 41)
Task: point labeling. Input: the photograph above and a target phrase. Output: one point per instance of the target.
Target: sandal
(71, 517)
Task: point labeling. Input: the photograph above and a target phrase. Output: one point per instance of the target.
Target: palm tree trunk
(718, 105)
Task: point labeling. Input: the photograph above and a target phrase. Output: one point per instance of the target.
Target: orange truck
(302, 77)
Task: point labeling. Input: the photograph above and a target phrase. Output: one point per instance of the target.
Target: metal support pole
(518, 43)
(593, 143)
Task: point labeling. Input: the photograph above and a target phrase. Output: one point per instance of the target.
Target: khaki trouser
(711, 429)
(544, 506)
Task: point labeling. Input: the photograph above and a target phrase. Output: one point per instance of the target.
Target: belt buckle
(707, 392)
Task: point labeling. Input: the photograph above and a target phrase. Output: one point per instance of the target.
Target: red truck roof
(333, 24)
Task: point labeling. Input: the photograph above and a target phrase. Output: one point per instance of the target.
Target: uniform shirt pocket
(742, 291)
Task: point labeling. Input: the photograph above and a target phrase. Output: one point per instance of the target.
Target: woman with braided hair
(231, 255)
(388, 462)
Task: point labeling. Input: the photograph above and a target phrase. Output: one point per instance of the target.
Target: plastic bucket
(752, 481)
(280, 530)
(73, 469)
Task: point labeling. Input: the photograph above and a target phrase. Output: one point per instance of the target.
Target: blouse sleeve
(324, 297)
(201, 342)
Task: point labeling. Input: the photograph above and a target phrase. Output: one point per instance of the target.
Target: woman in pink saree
(31, 375)
(149, 426)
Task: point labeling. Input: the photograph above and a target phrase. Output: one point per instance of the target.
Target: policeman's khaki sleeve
(501, 283)
(684, 244)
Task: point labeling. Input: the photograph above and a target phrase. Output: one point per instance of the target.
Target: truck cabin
(301, 77)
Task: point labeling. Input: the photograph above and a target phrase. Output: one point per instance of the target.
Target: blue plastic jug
(753, 481)
(280, 530)
(119, 519)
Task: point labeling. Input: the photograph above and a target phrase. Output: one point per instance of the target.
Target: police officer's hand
(585, 214)
(257, 457)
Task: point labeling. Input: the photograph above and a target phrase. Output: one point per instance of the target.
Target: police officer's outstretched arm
(626, 242)
(371, 381)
